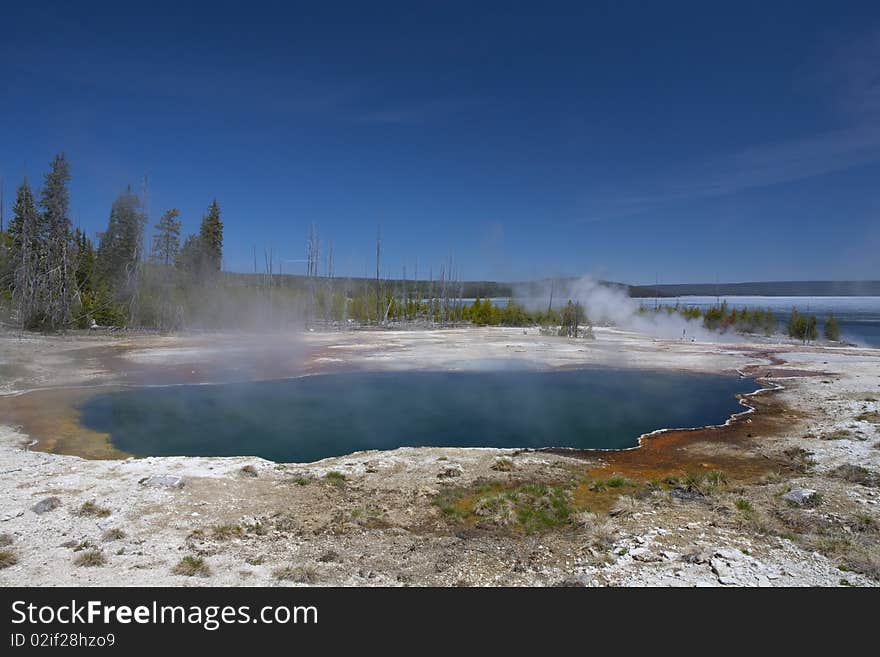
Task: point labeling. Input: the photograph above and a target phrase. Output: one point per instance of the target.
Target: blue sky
(684, 141)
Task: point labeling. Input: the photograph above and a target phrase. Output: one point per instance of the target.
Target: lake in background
(859, 317)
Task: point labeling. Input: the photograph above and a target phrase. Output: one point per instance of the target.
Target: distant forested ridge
(763, 289)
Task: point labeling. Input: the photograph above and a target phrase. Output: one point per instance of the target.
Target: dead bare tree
(378, 282)
(405, 297)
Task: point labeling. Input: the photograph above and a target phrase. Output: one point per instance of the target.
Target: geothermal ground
(787, 495)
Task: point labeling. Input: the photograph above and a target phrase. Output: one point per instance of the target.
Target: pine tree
(832, 329)
(84, 261)
(121, 245)
(211, 237)
(55, 202)
(27, 255)
(166, 242)
(189, 258)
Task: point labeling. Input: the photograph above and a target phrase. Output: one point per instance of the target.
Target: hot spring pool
(310, 418)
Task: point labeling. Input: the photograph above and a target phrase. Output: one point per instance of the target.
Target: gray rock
(106, 523)
(644, 555)
(572, 582)
(801, 496)
(46, 505)
(726, 574)
(162, 481)
(699, 556)
(729, 555)
(450, 471)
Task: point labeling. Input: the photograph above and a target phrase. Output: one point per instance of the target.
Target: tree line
(55, 278)
(723, 317)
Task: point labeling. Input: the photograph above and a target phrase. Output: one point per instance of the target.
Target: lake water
(859, 317)
(310, 418)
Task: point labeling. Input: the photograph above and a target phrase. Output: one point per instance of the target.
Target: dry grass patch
(114, 534)
(227, 532)
(335, 478)
(856, 474)
(7, 558)
(799, 459)
(249, 471)
(864, 560)
(90, 559)
(92, 510)
(192, 566)
(532, 508)
(503, 464)
(298, 574)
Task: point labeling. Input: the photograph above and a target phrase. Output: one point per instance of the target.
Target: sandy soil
(688, 508)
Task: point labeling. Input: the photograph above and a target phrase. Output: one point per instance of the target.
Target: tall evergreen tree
(121, 245)
(55, 202)
(166, 241)
(832, 329)
(27, 256)
(189, 258)
(211, 237)
(84, 261)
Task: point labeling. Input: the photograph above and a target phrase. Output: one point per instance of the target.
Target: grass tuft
(92, 510)
(335, 478)
(114, 534)
(800, 459)
(90, 559)
(191, 566)
(7, 558)
(227, 531)
(503, 464)
(717, 478)
(856, 474)
(299, 574)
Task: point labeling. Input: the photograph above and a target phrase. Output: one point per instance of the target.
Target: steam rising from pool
(609, 304)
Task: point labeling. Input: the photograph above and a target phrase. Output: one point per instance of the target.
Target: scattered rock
(644, 555)
(572, 582)
(162, 481)
(106, 523)
(723, 570)
(329, 556)
(450, 471)
(46, 505)
(801, 496)
(700, 556)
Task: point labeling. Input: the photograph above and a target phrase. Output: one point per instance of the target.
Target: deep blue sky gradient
(686, 141)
